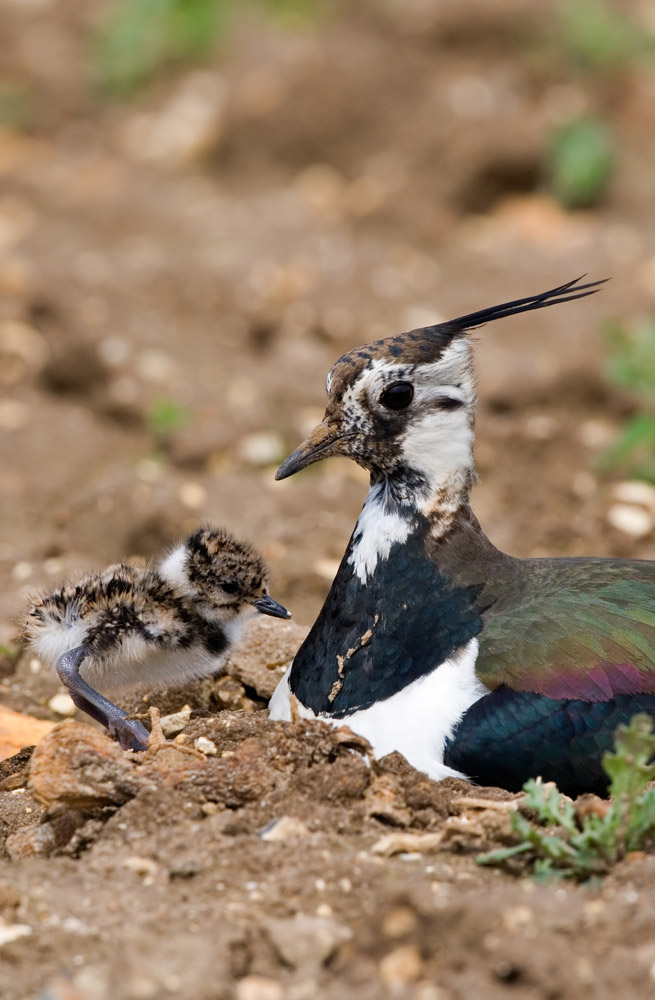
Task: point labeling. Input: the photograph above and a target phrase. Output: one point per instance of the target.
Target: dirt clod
(77, 767)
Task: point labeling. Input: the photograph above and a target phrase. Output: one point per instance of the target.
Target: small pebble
(399, 922)
(173, 724)
(264, 448)
(541, 427)
(62, 704)
(259, 988)
(114, 351)
(22, 571)
(306, 942)
(284, 829)
(596, 434)
(12, 932)
(635, 492)
(401, 966)
(192, 495)
(141, 866)
(634, 521)
(154, 366)
(208, 747)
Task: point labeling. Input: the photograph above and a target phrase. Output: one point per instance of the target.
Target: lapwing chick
(128, 628)
(431, 641)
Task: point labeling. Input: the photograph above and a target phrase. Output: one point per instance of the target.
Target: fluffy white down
(173, 568)
(133, 662)
(415, 721)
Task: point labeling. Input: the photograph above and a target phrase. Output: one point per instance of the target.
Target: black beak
(325, 440)
(267, 606)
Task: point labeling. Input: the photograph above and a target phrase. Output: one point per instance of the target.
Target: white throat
(378, 527)
(439, 447)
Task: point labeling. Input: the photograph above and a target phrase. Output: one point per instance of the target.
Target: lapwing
(434, 643)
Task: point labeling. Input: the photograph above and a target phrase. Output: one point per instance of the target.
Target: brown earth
(215, 244)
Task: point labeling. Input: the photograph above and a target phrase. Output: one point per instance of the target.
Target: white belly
(415, 721)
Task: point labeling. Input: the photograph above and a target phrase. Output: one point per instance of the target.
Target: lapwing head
(397, 406)
(223, 577)
(404, 407)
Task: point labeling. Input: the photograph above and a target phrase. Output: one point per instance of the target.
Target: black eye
(398, 396)
(229, 586)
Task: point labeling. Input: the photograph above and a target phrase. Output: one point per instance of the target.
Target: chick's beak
(325, 440)
(267, 606)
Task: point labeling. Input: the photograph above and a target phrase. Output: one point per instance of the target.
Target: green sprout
(558, 843)
(165, 417)
(143, 37)
(631, 366)
(598, 36)
(580, 162)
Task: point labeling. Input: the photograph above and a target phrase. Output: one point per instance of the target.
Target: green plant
(598, 36)
(11, 653)
(631, 366)
(141, 38)
(580, 161)
(164, 417)
(558, 842)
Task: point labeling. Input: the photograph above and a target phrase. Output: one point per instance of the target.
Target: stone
(62, 704)
(283, 829)
(631, 520)
(407, 843)
(262, 448)
(401, 966)
(12, 932)
(265, 650)
(173, 724)
(259, 988)
(78, 767)
(306, 942)
(205, 746)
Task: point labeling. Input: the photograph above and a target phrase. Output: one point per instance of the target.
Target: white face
(414, 419)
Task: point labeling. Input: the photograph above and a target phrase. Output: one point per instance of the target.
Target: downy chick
(128, 628)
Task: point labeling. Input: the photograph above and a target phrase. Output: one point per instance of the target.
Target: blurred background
(203, 203)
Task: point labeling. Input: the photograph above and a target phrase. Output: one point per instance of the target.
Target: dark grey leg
(130, 733)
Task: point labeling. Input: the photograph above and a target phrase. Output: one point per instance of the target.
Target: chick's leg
(130, 733)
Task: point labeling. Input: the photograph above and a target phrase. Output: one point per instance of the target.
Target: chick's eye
(229, 586)
(397, 396)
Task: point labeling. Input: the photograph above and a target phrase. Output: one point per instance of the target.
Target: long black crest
(564, 293)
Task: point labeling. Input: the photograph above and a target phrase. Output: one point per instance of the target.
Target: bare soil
(207, 250)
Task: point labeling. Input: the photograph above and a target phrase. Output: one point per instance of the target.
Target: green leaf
(599, 36)
(558, 844)
(629, 767)
(165, 417)
(141, 37)
(580, 162)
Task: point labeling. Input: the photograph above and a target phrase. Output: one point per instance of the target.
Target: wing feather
(587, 631)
